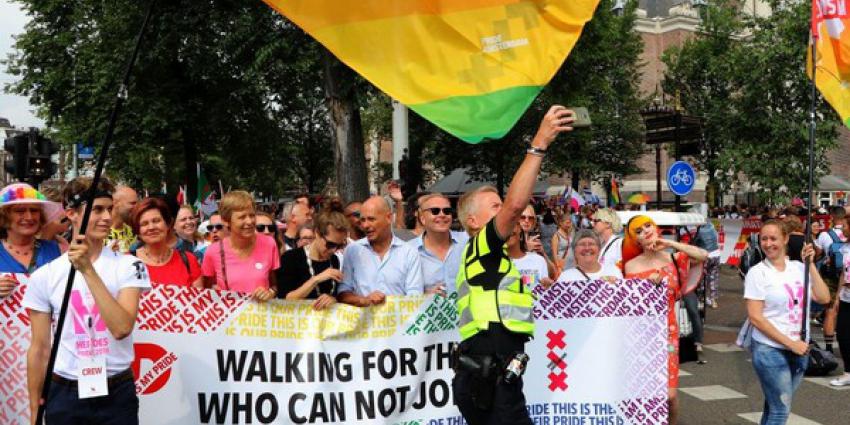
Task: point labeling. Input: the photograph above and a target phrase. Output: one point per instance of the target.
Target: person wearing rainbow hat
(23, 213)
(645, 257)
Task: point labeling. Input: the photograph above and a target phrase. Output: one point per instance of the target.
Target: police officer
(494, 307)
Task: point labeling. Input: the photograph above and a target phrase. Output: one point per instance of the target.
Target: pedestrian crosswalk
(755, 417)
(712, 392)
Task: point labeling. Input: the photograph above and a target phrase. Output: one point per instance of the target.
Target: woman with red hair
(645, 257)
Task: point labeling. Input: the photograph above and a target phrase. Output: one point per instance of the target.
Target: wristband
(536, 151)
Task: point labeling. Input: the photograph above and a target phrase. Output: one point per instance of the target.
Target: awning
(459, 182)
(833, 183)
(665, 218)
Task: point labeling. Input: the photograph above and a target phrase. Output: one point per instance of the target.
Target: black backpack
(751, 256)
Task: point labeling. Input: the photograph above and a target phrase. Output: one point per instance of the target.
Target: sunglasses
(266, 227)
(210, 227)
(354, 214)
(436, 211)
(527, 217)
(332, 244)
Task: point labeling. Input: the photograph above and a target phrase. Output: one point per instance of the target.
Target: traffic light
(40, 165)
(18, 146)
(31, 157)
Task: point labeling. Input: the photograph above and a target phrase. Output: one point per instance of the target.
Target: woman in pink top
(245, 261)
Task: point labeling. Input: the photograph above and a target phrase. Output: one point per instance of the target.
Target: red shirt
(175, 272)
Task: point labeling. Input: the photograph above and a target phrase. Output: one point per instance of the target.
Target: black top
(294, 271)
(290, 242)
(795, 247)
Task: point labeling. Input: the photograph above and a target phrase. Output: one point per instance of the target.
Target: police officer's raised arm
(557, 120)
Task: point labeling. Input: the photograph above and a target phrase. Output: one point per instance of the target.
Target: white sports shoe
(841, 381)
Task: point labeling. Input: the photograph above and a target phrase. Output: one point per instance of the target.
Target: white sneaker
(841, 381)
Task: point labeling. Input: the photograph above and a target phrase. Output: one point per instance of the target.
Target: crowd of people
(360, 252)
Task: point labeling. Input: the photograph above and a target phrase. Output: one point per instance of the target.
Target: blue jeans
(120, 407)
(780, 372)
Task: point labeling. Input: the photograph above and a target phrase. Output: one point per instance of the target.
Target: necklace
(12, 248)
(162, 259)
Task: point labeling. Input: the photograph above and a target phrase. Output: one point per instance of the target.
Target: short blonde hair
(467, 204)
(609, 216)
(237, 200)
(425, 198)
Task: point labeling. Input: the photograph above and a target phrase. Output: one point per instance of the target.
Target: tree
(772, 106)
(231, 84)
(700, 74)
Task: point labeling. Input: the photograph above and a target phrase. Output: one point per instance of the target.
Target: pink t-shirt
(243, 274)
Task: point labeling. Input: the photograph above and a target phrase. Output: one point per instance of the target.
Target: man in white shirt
(607, 225)
(379, 264)
(92, 381)
(439, 248)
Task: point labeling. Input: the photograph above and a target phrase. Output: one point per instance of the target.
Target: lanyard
(313, 272)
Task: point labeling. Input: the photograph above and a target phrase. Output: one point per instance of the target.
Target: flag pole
(120, 98)
(804, 331)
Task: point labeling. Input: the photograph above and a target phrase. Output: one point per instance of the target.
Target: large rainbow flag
(472, 67)
(831, 35)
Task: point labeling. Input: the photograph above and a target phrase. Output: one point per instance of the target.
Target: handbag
(745, 336)
(821, 362)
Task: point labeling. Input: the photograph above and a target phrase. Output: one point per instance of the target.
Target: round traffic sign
(681, 178)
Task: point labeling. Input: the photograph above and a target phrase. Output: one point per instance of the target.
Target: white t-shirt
(825, 239)
(574, 275)
(782, 293)
(532, 267)
(611, 253)
(83, 324)
(844, 291)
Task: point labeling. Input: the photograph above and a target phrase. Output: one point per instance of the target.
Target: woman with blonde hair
(561, 242)
(244, 261)
(645, 257)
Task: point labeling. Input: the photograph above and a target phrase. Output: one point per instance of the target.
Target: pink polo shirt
(243, 274)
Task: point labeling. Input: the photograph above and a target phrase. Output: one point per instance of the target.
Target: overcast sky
(16, 108)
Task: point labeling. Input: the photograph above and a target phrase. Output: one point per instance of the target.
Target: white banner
(599, 357)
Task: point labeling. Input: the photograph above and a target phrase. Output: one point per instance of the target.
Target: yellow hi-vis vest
(510, 304)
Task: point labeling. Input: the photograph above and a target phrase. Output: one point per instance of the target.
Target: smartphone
(533, 234)
(582, 117)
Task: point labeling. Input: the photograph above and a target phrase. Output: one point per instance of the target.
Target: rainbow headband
(20, 195)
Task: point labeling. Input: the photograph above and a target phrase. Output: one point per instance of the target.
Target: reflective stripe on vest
(510, 304)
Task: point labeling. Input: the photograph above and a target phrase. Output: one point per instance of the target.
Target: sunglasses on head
(436, 211)
(210, 227)
(266, 227)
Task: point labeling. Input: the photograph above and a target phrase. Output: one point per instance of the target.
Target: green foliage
(229, 81)
(746, 77)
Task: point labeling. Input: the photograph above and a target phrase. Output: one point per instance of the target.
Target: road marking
(824, 381)
(723, 348)
(712, 392)
(755, 417)
(686, 373)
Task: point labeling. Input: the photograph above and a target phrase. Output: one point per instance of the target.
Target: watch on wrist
(535, 151)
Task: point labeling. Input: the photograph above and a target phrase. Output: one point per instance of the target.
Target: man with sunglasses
(379, 264)
(439, 248)
(352, 213)
(494, 308)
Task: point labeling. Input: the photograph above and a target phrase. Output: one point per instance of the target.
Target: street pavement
(725, 390)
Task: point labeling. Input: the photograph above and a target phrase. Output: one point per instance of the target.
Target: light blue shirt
(398, 273)
(435, 270)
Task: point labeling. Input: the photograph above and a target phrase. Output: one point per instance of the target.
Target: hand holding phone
(582, 117)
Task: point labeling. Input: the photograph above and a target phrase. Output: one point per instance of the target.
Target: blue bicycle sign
(681, 178)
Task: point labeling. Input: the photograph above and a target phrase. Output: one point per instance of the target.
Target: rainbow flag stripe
(831, 30)
(471, 67)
